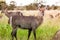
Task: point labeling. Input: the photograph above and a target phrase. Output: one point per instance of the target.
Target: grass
(43, 32)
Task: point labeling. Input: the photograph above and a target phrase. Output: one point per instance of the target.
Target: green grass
(43, 32)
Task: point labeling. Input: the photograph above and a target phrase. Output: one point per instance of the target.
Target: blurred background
(30, 4)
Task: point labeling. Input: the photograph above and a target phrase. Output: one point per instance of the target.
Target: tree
(2, 5)
(12, 5)
(32, 6)
(54, 7)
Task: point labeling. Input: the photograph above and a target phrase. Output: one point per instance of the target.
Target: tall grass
(43, 32)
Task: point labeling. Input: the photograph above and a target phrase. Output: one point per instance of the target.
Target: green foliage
(5, 31)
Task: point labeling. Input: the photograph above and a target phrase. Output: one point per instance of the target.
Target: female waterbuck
(25, 22)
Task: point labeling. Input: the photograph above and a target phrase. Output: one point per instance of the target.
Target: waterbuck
(26, 22)
(30, 23)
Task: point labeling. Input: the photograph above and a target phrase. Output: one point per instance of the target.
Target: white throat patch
(11, 20)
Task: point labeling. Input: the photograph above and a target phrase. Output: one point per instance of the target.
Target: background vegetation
(32, 6)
